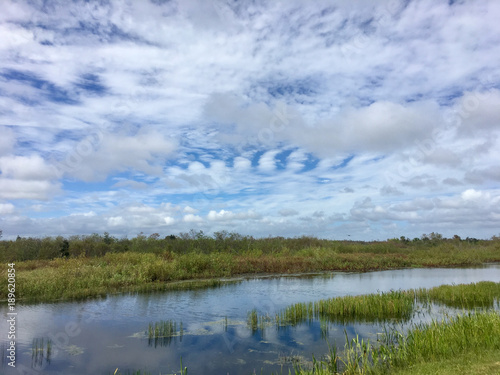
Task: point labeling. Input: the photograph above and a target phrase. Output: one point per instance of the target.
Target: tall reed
(162, 332)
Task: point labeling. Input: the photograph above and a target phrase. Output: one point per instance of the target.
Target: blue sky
(362, 120)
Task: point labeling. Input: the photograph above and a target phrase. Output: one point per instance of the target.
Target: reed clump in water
(41, 350)
(394, 305)
(482, 294)
(257, 322)
(162, 332)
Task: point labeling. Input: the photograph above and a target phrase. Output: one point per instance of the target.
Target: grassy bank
(82, 276)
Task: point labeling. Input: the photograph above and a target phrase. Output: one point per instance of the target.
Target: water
(98, 336)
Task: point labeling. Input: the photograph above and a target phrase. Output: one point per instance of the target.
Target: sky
(337, 119)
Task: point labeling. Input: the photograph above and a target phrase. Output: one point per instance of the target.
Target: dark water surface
(98, 336)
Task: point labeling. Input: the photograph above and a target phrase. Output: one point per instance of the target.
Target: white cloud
(27, 189)
(6, 208)
(31, 167)
(190, 210)
(118, 153)
(116, 221)
(242, 164)
(169, 220)
(224, 215)
(474, 195)
(191, 218)
(267, 162)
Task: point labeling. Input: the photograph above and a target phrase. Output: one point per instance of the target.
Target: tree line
(31, 248)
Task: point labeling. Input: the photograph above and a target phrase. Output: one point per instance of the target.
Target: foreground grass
(425, 349)
(476, 363)
(83, 277)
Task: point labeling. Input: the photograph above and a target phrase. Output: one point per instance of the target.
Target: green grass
(395, 305)
(164, 328)
(67, 279)
(425, 349)
(161, 333)
(471, 363)
(483, 294)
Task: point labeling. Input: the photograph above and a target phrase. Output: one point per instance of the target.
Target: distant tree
(456, 237)
(221, 236)
(1, 233)
(196, 235)
(154, 236)
(436, 236)
(171, 237)
(64, 251)
(107, 239)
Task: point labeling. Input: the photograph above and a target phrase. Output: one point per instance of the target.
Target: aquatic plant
(162, 332)
(395, 305)
(257, 322)
(41, 350)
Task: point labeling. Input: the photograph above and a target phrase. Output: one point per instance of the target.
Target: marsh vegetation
(395, 306)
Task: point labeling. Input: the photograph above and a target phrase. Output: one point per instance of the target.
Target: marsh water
(97, 336)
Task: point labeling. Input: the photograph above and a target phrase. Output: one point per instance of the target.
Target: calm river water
(98, 336)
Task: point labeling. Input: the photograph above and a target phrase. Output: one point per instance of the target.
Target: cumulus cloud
(28, 189)
(6, 208)
(191, 218)
(32, 167)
